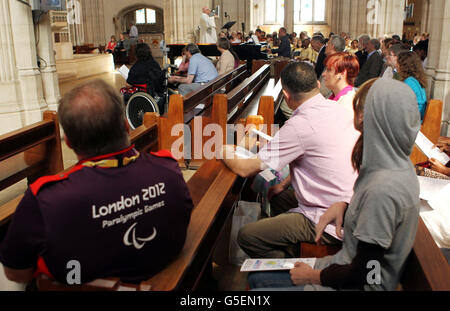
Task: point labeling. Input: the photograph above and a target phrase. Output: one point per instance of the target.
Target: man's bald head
(206, 10)
(93, 118)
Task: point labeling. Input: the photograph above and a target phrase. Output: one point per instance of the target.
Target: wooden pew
(43, 283)
(214, 190)
(277, 66)
(426, 267)
(431, 128)
(197, 102)
(266, 103)
(30, 152)
(228, 108)
(248, 91)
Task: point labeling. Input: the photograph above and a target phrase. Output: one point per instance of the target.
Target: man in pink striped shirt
(316, 143)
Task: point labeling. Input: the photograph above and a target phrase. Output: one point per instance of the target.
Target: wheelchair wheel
(138, 104)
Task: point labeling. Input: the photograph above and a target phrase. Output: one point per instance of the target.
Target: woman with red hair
(341, 70)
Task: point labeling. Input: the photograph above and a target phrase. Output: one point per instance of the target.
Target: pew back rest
(431, 128)
(276, 65)
(204, 95)
(43, 283)
(426, 267)
(212, 190)
(30, 152)
(245, 92)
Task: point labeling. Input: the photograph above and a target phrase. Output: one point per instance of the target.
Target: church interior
(49, 47)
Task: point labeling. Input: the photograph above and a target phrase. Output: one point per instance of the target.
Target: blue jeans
(271, 280)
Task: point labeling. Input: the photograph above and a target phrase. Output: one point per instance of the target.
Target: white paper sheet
(441, 201)
(274, 264)
(244, 153)
(262, 134)
(268, 175)
(426, 146)
(431, 187)
(438, 220)
(124, 71)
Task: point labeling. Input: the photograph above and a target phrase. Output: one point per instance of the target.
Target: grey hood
(391, 124)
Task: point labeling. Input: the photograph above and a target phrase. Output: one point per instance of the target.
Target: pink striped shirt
(316, 143)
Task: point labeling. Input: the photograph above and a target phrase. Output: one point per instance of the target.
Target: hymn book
(273, 264)
(426, 146)
(124, 71)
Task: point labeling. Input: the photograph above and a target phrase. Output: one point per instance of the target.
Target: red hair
(341, 62)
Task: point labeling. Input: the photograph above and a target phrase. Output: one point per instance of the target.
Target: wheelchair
(140, 98)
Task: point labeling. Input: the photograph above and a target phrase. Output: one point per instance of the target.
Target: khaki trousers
(279, 236)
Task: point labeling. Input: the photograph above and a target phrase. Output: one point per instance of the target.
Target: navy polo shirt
(127, 221)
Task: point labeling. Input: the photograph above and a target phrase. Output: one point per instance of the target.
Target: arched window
(145, 16)
(274, 12)
(309, 11)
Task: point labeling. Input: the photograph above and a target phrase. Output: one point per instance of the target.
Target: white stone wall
(360, 17)
(237, 10)
(94, 21)
(111, 9)
(438, 69)
(25, 91)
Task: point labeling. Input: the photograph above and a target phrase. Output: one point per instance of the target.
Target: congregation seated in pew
(200, 71)
(229, 59)
(382, 217)
(411, 72)
(316, 142)
(339, 76)
(118, 212)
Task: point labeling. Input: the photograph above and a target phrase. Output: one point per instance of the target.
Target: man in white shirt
(133, 34)
(255, 38)
(208, 32)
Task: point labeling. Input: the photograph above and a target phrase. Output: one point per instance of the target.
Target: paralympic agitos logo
(137, 242)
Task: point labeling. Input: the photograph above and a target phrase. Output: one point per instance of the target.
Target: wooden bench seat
(30, 152)
(276, 66)
(214, 190)
(426, 267)
(431, 128)
(196, 102)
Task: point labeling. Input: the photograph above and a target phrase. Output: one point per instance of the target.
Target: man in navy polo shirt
(201, 70)
(118, 212)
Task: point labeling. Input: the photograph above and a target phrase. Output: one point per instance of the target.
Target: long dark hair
(410, 65)
(358, 106)
(143, 52)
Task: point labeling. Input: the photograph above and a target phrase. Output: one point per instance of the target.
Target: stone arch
(120, 19)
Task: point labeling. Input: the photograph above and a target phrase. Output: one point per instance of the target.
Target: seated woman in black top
(146, 71)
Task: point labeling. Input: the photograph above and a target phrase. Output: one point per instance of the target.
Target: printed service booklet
(272, 264)
(426, 146)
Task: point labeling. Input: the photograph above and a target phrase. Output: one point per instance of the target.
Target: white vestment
(207, 29)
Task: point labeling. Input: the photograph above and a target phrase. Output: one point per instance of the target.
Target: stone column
(181, 20)
(438, 69)
(29, 76)
(48, 63)
(75, 21)
(10, 107)
(425, 24)
(288, 15)
(237, 10)
(94, 22)
(373, 17)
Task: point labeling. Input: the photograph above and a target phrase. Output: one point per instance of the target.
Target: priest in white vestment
(208, 32)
